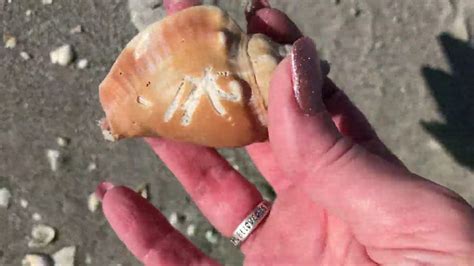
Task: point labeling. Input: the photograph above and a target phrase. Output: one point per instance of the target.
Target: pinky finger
(147, 233)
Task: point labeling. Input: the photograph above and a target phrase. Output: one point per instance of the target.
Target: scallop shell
(194, 76)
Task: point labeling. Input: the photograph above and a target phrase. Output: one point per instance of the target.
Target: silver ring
(250, 223)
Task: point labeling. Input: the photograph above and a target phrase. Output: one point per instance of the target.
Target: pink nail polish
(256, 5)
(176, 5)
(307, 78)
(102, 189)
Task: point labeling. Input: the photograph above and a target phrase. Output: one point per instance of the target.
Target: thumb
(300, 128)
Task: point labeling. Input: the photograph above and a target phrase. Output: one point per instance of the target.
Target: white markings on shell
(88, 259)
(205, 86)
(175, 103)
(142, 50)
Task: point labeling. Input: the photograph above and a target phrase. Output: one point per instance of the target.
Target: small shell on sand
(76, 29)
(211, 236)
(88, 259)
(5, 196)
(23, 203)
(41, 236)
(53, 158)
(10, 41)
(65, 256)
(36, 216)
(62, 141)
(37, 260)
(92, 166)
(191, 230)
(144, 190)
(25, 56)
(62, 55)
(93, 202)
(82, 63)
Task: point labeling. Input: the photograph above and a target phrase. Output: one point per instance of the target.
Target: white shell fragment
(92, 166)
(10, 41)
(173, 219)
(28, 12)
(53, 158)
(191, 230)
(65, 256)
(176, 219)
(23, 203)
(25, 56)
(5, 196)
(62, 55)
(36, 216)
(93, 202)
(88, 259)
(108, 135)
(36, 260)
(211, 236)
(62, 141)
(76, 29)
(41, 236)
(46, 2)
(81, 64)
(144, 190)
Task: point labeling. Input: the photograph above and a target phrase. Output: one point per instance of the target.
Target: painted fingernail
(255, 5)
(177, 5)
(102, 189)
(307, 77)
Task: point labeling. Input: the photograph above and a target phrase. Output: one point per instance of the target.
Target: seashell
(5, 196)
(65, 256)
(41, 235)
(143, 190)
(194, 76)
(93, 202)
(37, 260)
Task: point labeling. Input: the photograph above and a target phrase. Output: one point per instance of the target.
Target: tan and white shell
(194, 76)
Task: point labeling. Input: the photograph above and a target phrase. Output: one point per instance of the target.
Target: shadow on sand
(454, 94)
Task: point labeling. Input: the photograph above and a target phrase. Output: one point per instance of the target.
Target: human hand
(342, 197)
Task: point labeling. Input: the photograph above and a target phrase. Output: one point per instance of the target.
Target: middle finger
(222, 194)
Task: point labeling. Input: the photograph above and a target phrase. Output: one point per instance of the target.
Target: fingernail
(176, 5)
(307, 78)
(102, 189)
(255, 5)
